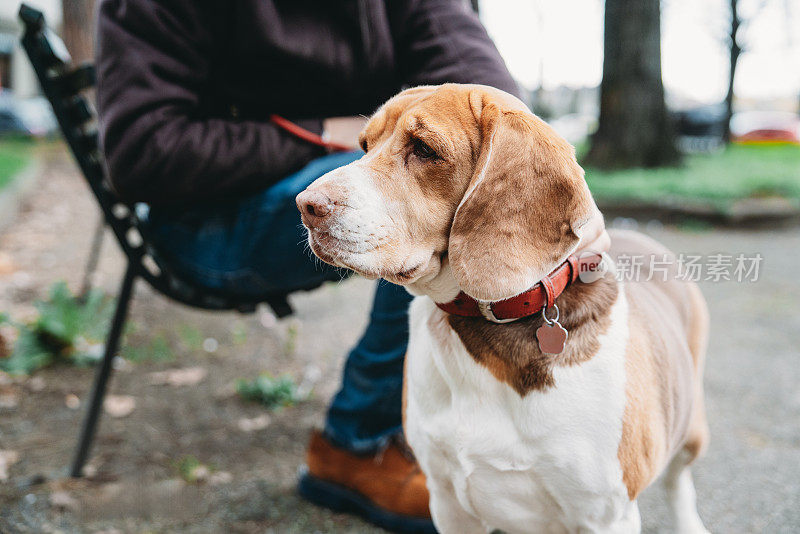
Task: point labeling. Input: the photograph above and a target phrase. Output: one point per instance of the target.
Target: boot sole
(341, 499)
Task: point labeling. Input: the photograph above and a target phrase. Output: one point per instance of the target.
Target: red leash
(305, 135)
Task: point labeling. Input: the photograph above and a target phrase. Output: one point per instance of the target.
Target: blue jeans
(256, 245)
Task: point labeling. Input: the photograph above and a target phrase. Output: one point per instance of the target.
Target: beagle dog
(480, 209)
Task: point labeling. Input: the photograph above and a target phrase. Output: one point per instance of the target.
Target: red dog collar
(534, 300)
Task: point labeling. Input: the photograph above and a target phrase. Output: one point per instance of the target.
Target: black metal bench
(64, 85)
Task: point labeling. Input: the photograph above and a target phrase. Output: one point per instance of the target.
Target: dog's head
(462, 172)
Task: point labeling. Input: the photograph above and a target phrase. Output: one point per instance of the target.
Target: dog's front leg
(448, 514)
(681, 495)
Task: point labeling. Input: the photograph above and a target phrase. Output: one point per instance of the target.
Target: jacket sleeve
(152, 66)
(440, 41)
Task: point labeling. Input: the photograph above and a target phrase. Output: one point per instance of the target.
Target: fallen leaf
(72, 401)
(201, 473)
(119, 405)
(187, 376)
(210, 344)
(8, 399)
(220, 477)
(7, 458)
(254, 423)
(89, 470)
(6, 264)
(63, 501)
(36, 384)
(267, 319)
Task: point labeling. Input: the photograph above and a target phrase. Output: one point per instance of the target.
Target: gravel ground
(748, 482)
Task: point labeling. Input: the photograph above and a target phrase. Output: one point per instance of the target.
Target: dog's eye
(364, 145)
(422, 150)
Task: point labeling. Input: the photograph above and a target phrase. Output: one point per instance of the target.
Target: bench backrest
(65, 87)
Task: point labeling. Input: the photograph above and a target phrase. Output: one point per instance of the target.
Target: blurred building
(15, 71)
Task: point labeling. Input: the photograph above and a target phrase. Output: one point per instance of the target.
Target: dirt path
(747, 483)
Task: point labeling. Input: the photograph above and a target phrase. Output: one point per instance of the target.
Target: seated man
(185, 93)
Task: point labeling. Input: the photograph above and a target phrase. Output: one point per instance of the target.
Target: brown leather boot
(386, 488)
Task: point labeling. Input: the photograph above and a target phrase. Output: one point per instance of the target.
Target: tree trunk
(78, 34)
(634, 129)
(735, 50)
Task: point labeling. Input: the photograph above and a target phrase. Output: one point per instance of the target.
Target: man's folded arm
(152, 68)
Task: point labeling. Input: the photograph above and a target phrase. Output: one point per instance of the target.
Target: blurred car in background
(30, 117)
(765, 127)
(702, 121)
(700, 129)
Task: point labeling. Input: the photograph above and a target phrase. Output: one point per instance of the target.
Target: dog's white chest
(546, 462)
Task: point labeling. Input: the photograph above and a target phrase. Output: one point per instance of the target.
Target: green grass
(270, 391)
(71, 330)
(14, 155)
(66, 329)
(717, 179)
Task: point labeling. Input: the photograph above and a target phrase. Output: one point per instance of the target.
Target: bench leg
(102, 374)
(94, 257)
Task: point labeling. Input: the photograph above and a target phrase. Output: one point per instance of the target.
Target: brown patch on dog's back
(697, 440)
(642, 449)
(668, 325)
(511, 351)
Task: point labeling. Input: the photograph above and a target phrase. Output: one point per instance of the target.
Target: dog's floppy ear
(524, 207)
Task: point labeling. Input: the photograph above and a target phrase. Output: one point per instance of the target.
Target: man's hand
(343, 130)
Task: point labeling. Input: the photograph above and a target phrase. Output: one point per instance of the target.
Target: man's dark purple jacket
(185, 86)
